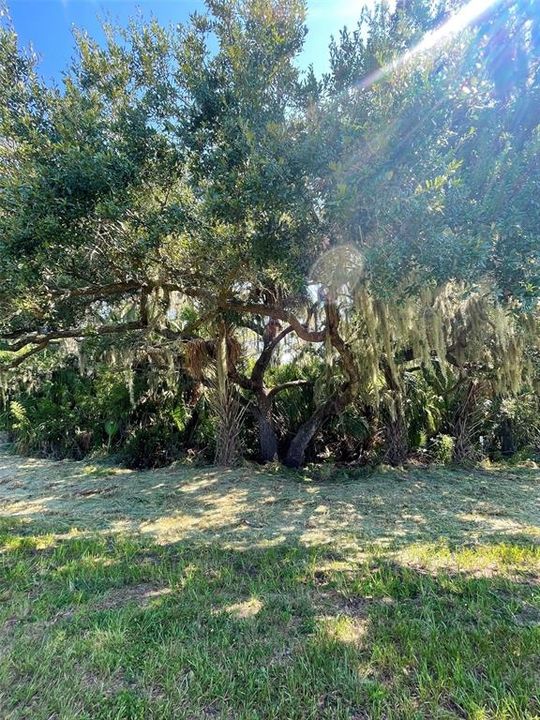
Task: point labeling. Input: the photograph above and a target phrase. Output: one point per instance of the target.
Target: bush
(441, 449)
(57, 420)
(515, 427)
(153, 446)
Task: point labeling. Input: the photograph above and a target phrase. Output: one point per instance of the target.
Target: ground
(249, 595)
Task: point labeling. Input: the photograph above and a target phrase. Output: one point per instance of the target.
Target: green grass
(186, 593)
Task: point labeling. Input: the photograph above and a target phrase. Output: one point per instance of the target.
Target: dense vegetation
(207, 253)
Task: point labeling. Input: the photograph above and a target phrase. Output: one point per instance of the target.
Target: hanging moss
(464, 330)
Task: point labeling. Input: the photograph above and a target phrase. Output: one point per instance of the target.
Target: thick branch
(286, 385)
(22, 358)
(240, 379)
(99, 292)
(38, 338)
(278, 313)
(338, 401)
(260, 367)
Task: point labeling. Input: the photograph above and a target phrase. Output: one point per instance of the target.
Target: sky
(47, 24)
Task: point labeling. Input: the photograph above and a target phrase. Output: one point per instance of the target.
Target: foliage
(152, 445)
(442, 449)
(369, 239)
(60, 419)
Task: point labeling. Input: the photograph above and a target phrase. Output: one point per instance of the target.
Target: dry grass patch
(247, 506)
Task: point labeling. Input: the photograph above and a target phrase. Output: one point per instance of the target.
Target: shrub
(152, 446)
(441, 448)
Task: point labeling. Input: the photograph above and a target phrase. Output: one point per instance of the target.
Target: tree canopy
(355, 254)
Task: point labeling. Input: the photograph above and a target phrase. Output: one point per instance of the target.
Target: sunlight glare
(464, 17)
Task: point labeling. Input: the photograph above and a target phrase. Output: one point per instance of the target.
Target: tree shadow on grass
(247, 507)
(111, 627)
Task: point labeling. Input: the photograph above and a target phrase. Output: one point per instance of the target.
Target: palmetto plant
(229, 411)
(21, 425)
(111, 428)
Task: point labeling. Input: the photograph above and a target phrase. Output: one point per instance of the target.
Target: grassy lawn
(189, 593)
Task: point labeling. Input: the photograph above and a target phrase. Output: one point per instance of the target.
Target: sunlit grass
(247, 506)
(440, 619)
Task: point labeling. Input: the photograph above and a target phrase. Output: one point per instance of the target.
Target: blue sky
(47, 24)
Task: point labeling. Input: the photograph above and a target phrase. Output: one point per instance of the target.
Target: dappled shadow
(204, 593)
(187, 630)
(252, 507)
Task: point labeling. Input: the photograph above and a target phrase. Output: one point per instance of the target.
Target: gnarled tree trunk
(268, 441)
(296, 452)
(337, 402)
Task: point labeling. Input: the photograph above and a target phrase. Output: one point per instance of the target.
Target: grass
(189, 593)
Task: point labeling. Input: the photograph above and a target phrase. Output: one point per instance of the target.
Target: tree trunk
(268, 443)
(267, 435)
(507, 438)
(338, 402)
(299, 444)
(397, 442)
(226, 406)
(395, 427)
(463, 424)
(191, 425)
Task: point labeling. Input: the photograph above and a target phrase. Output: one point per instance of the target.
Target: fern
(180, 416)
(18, 411)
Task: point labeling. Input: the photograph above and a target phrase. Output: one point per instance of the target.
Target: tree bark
(296, 452)
(395, 429)
(268, 444)
(506, 435)
(397, 442)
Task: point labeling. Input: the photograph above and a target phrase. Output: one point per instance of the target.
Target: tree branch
(39, 338)
(19, 360)
(286, 385)
(278, 313)
(261, 365)
(98, 292)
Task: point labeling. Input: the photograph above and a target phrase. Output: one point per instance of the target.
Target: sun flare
(460, 20)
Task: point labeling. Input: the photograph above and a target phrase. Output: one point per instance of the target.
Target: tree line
(207, 251)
